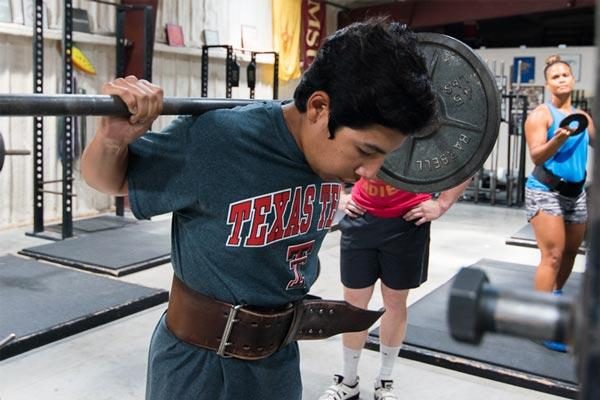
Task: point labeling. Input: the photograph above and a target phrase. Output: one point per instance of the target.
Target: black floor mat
(115, 252)
(518, 361)
(42, 303)
(94, 224)
(525, 238)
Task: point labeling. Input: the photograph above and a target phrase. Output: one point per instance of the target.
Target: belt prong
(227, 331)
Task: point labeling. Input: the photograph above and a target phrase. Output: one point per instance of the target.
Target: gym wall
(586, 82)
(177, 70)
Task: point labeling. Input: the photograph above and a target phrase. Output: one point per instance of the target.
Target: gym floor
(109, 362)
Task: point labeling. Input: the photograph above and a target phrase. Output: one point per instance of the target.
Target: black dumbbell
(476, 307)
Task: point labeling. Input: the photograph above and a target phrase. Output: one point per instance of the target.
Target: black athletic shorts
(390, 249)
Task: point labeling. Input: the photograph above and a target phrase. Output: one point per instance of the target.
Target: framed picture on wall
(249, 37)
(210, 37)
(174, 35)
(523, 70)
(574, 61)
(5, 11)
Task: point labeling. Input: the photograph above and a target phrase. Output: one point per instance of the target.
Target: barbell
(446, 154)
(4, 152)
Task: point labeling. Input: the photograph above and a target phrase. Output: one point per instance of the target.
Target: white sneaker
(340, 391)
(384, 390)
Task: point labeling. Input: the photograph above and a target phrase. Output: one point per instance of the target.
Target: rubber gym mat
(95, 224)
(525, 238)
(518, 361)
(115, 252)
(42, 303)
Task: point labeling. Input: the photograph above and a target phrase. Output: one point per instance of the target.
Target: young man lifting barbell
(253, 192)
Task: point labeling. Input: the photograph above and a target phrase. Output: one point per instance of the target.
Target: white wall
(587, 80)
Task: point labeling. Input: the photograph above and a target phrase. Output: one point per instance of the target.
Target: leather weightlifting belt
(251, 333)
(556, 183)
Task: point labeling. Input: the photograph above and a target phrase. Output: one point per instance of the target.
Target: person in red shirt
(385, 235)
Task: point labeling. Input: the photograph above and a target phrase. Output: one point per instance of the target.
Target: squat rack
(122, 45)
(229, 69)
(38, 125)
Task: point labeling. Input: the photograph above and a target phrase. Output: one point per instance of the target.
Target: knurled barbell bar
(98, 105)
(441, 157)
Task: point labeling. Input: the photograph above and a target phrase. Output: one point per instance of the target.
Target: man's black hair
(373, 73)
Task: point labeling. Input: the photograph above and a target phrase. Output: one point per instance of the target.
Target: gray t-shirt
(249, 217)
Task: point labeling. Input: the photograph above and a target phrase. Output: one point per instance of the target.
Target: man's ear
(317, 106)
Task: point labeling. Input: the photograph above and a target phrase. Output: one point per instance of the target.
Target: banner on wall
(313, 29)
(286, 37)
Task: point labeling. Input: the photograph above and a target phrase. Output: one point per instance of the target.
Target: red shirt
(383, 200)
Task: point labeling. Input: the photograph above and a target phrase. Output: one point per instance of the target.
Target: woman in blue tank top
(555, 195)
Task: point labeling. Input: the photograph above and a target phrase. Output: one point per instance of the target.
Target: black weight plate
(580, 119)
(467, 124)
(2, 152)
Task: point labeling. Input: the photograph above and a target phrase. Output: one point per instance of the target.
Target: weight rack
(122, 45)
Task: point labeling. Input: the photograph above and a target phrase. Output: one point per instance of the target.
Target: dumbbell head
(464, 306)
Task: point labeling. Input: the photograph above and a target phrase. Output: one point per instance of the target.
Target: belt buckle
(227, 331)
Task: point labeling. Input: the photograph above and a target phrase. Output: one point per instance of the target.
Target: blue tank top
(570, 161)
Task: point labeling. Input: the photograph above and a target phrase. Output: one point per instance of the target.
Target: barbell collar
(99, 105)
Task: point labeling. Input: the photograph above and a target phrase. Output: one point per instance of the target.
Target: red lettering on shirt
(261, 208)
(271, 217)
(238, 214)
(329, 198)
(309, 199)
(293, 224)
(335, 200)
(280, 201)
(296, 258)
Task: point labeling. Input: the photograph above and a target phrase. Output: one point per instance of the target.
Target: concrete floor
(109, 362)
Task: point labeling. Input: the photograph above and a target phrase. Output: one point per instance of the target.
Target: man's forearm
(104, 166)
(104, 161)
